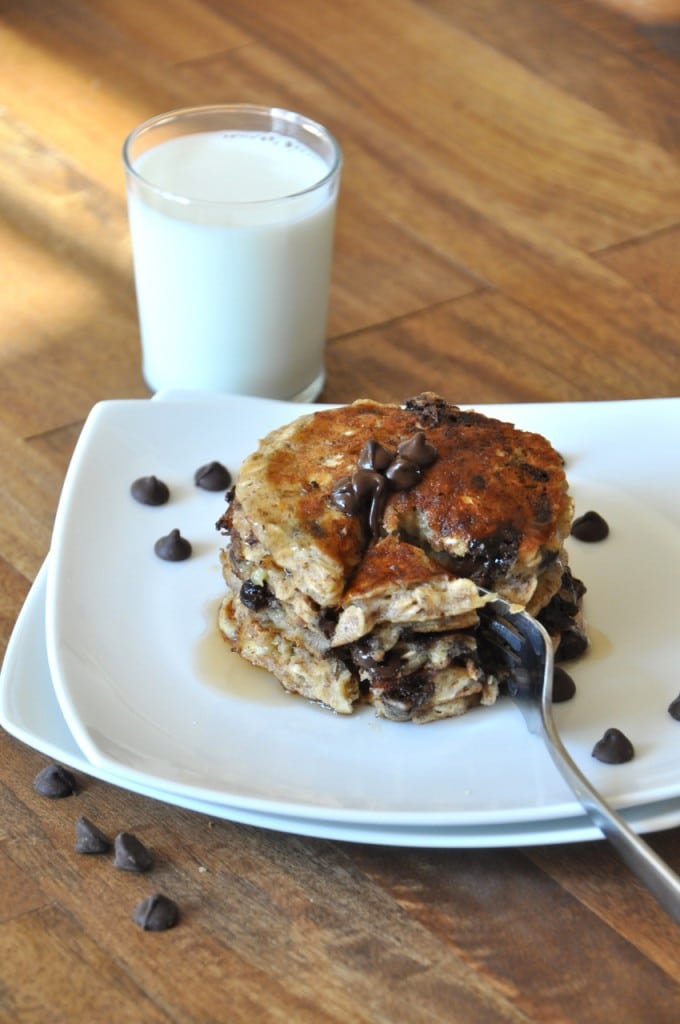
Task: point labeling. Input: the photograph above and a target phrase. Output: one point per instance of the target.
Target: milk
(232, 237)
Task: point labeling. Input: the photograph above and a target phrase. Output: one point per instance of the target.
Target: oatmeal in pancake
(360, 543)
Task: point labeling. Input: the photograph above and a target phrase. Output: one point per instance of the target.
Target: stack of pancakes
(362, 542)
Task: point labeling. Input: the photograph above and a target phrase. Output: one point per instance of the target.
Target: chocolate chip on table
(89, 838)
(130, 854)
(55, 782)
(614, 748)
(590, 527)
(156, 913)
(213, 477)
(674, 708)
(564, 686)
(149, 490)
(173, 547)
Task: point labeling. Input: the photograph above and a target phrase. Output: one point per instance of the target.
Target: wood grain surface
(508, 230)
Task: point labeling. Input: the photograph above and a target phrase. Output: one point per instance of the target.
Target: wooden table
(508, 231)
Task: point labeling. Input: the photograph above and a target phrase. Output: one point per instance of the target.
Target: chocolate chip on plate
(590, 527)
(173, 547)
(89, 838)
(674, 708)
(564, 686)
(130, 853)
(213, 477)
(55, 782)
(573, 643)
(156, 913)
(614, 748)
(149, 490)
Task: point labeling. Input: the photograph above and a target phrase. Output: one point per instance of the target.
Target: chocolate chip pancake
(362, 540)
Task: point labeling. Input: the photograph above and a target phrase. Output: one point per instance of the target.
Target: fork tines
(513, 647)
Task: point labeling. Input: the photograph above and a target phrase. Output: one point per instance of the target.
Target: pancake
(361, 542)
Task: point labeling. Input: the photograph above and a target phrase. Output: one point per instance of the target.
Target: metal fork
(526, 650)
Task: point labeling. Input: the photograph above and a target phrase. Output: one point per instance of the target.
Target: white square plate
(150, 691)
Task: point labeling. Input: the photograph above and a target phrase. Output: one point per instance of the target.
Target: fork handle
(653, 872)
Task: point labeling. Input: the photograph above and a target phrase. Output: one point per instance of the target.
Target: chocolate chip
(613, 748)
(491, 556)
(377, 506)
(254, 595)
(130, 854)
(379, 467)
(674, 709)
(89, 838)
(55, 782)
(389, 669)
(173, 547)
(402, 698)
(156, 913)
(403, 474)
(364, 483)
(560, 615)
(573, 643)
(590, 527)
(429, 408)
(417, 449)
(364, 487)
(564, 686)
(375, 456)
(344, 498)
(149, 490)
(213, 477)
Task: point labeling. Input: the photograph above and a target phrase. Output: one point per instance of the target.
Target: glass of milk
(231, 212)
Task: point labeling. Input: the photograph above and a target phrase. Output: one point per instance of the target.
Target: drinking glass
(231, 211)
